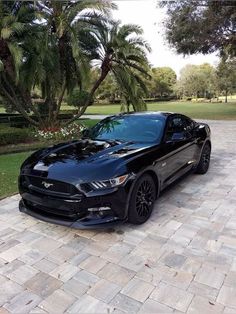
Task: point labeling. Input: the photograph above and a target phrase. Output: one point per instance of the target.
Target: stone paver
(23, 302)
(86, 278)
(43, 284)
(57, 302)
(93, 264)
(22, 274)
(138, 289)
(104, 290)
(8, 290)
(173, 297)
(116, 274)
(227, 296)
(183, 260)
(88, 304)
(126, 304)
(210, 277)
(151, 306)
(64, 272)
(175, 260)
(75, 287)
(203, 305)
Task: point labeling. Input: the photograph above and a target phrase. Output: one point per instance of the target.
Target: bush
(78, 98)
(42, 106)
(70, 132)
(9, 135)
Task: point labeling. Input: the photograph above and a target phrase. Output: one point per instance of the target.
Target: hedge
(16, 120)
(10, 135)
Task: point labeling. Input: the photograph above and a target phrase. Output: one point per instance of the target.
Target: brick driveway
(182, 260)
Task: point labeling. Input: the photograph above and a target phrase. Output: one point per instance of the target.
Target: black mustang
(115, 172)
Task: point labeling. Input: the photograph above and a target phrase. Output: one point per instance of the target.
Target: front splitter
(88, 222)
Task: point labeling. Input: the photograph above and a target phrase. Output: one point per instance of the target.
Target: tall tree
(132, 88)
(204, 26)
(70, 23)
(128, 88)
(16, 19)
(226, 77)
(46, 44)
(108, 90)
(162, 82)
(120, 50)
(196, 81)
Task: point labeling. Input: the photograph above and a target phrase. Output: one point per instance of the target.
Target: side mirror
(179, 136)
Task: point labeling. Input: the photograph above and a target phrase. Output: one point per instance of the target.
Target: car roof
(160, 114)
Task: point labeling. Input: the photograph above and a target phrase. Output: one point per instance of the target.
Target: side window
(176, 125)
(189, 124)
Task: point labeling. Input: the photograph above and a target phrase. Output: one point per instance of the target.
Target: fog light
(98, 209)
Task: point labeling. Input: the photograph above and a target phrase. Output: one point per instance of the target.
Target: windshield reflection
(129, 128)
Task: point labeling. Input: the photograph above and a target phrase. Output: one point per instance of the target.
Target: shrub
(9, 135)
(78, 98)
(42, 107)
(70, 132)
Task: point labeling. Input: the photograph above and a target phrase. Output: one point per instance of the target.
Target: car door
(178, 145)
(192, 150)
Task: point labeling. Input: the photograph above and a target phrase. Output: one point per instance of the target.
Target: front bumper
(74, 212)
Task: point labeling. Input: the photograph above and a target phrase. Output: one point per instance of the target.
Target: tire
(142, 200)
(204, 162)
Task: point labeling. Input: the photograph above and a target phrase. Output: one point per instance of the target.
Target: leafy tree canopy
(54, 45)
(226, 77)
(204, 26)
(162, 82)
(196, 81)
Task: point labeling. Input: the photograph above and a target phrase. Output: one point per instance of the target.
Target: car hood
(83, 160)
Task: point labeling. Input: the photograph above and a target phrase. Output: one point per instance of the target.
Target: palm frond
(129, 29)
(6, 33)
(17, 55)
(1, 66)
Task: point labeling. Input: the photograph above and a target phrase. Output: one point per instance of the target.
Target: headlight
(109, 183)
(96, 185)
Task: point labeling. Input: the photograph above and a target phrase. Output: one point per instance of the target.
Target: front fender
(149, 170)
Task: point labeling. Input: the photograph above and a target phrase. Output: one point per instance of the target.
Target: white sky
(150, 17)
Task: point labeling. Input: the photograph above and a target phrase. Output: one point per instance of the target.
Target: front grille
(48, 186)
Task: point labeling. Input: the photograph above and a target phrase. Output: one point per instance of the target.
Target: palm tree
(69, 22)
(132, 88)
(122, 51)
(44, 43)
(53, 45)
(15, 18)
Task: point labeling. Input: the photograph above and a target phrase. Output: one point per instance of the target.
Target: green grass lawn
(9, 171)
(89, 122)
(214, 111)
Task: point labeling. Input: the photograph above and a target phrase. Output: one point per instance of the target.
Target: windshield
(129, 128)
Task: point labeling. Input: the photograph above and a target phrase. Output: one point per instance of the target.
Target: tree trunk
(90, 97)
(60, 101)
(105, 69)
(8, 92)
(226, 96)
(10, 89)
(19, 107)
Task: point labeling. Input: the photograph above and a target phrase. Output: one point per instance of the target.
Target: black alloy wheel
(204, 162)
(142, 200)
